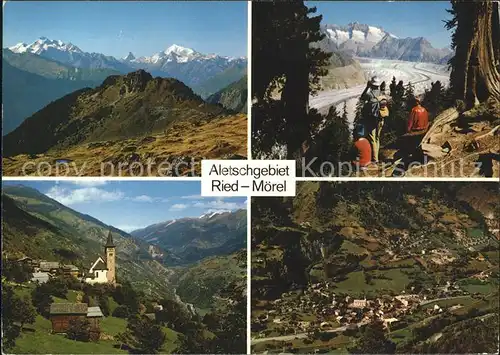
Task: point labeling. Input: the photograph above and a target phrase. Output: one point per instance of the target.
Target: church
(103, 270)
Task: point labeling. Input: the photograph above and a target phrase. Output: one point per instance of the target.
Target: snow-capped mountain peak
(179, 50)
(130, 57)
(355, 32)
(212, 214)
(44, 44)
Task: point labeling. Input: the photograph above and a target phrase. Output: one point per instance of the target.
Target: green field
(464, 301)
(38, 340)
(386, 280)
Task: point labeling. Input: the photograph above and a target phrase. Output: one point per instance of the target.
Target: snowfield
(419, 74)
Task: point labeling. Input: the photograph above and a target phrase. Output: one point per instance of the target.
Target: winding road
(419, 74)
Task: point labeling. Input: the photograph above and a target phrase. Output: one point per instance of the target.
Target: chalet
(49, 266)
(61, 314)
(94, 315)
(70, 270)
(40, 277)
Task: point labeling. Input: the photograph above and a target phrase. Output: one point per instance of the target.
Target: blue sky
(401, 18)
(117, 27)
(130, 205)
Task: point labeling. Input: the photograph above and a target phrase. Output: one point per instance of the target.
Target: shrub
(121, 312)
(79, 330)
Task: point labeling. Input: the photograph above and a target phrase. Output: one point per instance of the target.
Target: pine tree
(409, 96)
(358, 116)
(395, 124)
(41, 299)
(476, 41)
(14, 310)
(286, 61)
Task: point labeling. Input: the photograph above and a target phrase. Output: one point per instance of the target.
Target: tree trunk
(476, 64)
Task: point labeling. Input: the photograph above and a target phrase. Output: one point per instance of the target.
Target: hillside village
(81, 286)
(51, 306)
(326, 272)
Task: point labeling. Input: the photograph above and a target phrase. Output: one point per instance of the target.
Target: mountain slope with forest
(37, 226)
(233, 97)
(193, 239)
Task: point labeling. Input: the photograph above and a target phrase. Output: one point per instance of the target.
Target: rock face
(233, 97)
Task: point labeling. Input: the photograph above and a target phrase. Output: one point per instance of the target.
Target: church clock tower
(110, 251)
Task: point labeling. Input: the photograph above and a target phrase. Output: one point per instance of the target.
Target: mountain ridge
(371, 41)
(185, 64)
(223, 234)
(121, 107)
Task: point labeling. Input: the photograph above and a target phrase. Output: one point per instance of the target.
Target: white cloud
(88, 183)
(220, 205)
(143, 198)
(192, 197)
(83, 195)
(178, 207)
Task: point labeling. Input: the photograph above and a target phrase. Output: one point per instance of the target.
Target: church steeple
(109, 249)
(109, 242)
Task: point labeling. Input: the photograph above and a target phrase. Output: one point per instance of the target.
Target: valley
(200, 275)
(336, 262)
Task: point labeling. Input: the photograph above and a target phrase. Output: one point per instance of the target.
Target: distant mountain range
(185, 64)
(26, 66)
(193, 239)
(374, 42)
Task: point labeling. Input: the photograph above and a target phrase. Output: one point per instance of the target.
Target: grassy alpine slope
(131, 118)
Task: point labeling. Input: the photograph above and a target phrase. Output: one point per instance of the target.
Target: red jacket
(363, 152)
(419, 119)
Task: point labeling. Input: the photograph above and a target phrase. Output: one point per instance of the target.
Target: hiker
(418, 124)
(419, 118)
(374, 112)
(362, 148)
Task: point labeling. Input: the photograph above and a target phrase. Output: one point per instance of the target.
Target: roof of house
(100, 266)
(70, 267)
(94, 312)
(49, 264)
(68, 308)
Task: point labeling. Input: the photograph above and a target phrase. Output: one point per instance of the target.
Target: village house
(61, 315)
(40, 277)
(71, 270)
(103, 270)
(358, 304)
(49, 266)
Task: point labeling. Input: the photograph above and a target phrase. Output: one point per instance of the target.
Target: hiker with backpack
(375, 110)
